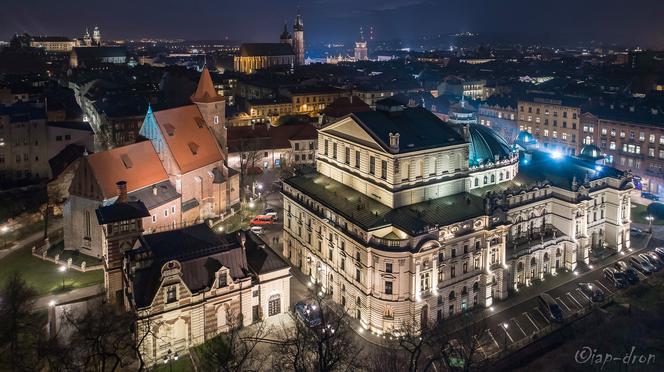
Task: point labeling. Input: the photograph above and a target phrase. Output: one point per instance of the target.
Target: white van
(257, 230)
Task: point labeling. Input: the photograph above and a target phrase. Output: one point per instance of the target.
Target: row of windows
(154, 216)
(546, 112)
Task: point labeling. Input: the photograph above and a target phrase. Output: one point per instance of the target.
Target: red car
(262, 220)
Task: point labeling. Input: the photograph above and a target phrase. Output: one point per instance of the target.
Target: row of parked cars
(621, 274)
(624, 271)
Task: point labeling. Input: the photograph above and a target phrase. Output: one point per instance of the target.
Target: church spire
(205, 91)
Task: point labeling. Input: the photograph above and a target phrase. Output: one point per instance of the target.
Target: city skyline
(325, 21)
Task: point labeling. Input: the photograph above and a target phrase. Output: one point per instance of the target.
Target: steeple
(298, 25)
(205, 92)
(212, 107)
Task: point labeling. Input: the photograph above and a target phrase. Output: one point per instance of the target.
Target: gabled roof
(187, 136)
(205, 92)
(136, 164)
(344, 106)
(266, 49)
(201, 253)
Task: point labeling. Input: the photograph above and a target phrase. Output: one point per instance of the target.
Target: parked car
(262, 220)
(638, 264)
(655, 260)
(654, 266)
(550, 308)
(309, 314)
(256, 230)
(650, 196)
(660, 252)
(630, 274)
(616, 277)
(272, 213)
(636, 230)
(594, 293)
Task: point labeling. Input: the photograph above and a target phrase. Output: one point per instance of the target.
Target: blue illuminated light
(556, 155)
(598, 168)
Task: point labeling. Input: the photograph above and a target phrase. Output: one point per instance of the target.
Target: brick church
(180, 173)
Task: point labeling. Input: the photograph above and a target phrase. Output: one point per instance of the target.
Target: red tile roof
(137, 164)
(188, 137)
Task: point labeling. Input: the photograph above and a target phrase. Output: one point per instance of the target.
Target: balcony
(533, 241)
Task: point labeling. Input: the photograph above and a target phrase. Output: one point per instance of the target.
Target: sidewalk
(30, 240)
(74, 295)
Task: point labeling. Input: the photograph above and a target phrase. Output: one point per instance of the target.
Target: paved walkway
(29, 240)
(74, 295)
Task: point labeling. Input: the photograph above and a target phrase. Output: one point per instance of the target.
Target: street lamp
(169, 357)
(4, 230)
(649, 219)
(63, 270)
(505, 325)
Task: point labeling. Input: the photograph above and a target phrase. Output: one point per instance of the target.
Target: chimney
(631, 108)
(122, 192)
(154, 190)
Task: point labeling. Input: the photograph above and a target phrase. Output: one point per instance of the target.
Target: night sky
(627, 22)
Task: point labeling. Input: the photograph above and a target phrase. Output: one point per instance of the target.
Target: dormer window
(171, 294)
(222, 281)
(216, 119)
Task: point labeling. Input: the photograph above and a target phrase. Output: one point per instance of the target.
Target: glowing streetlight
(63, 270)
(51, 303)
(4, 230)
(650, 219)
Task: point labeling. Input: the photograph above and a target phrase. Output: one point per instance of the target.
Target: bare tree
(461, 347)
(234, 350)
(324, 347)
(103, 338)
(20, 329)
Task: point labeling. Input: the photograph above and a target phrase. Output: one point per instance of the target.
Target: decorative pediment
(353, 131)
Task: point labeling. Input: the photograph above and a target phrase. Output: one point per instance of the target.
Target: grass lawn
(44, 276)
(183, 364)
(639, 214)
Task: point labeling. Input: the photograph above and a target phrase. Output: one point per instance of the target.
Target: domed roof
(591, 151)
(525, 137)
(486, 145)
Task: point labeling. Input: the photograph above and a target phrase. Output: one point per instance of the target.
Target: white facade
(385, 274)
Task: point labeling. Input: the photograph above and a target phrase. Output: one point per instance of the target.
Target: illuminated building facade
(408, 217)
(553, 120)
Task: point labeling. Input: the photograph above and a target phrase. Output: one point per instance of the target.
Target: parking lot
(519, 325)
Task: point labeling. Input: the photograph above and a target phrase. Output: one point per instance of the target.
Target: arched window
(500, 176)
(476, 286)
(274, 305)
(519, 266)
(477, 182)
(87, 224)
(533, 261)
(464, 291)
(486, 179)
(452, 296)
(558, 252)
(546, 256)
(493, 178)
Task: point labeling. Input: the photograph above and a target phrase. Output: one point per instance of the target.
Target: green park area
(183, 364)
(44, 276)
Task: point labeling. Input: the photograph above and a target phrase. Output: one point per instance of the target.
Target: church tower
(96, 36)
(298, 40)
(122, 227)
(87, 40)
(212, 107)
(286, 37)
(361, 52)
